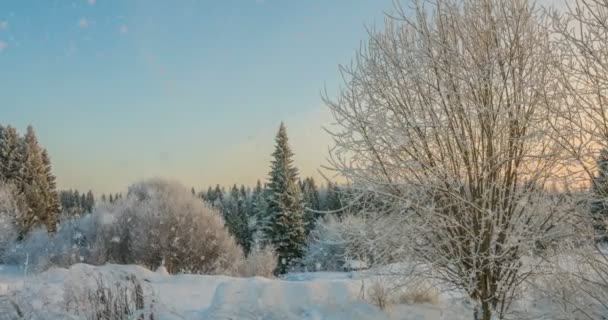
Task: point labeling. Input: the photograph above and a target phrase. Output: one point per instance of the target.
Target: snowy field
(297, 296)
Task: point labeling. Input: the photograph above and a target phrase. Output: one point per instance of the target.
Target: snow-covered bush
(162, 221)
(261, 262)
(82, 239)
(372, 239)
(94, 295)
(157, 221)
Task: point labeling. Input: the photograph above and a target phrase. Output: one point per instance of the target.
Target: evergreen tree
(310, 195)
(287, 227)
(219, 198)
(54, 207)
(90, 201)
(11, 161)
(111, 198)
(258, 217)
(35, 186)
(209, 195)
(103, 198)
(243, 212)
(332, 198)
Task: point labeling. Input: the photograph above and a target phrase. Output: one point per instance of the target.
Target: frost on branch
(444, 114)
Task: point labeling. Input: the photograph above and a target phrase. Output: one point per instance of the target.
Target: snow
(314, 296)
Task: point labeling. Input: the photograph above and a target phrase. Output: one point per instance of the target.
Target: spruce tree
(312, 202)
(258, 216)
(35, 185)
(333, 202)
(11, 161)
(90, 201)
(243, 211)
(53, 206)
(287, 227)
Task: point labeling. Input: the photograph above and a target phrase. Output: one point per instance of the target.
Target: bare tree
(444, 113)
(581, 117)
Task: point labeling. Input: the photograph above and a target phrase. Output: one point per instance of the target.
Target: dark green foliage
(287, 231)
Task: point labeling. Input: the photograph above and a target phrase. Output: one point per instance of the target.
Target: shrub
(374, 239)
(94, 295)
(418, 295)
(378, 294)
(259, 263)
(165, 222)
(157, 221)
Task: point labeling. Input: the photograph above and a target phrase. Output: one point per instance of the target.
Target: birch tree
(443, 113)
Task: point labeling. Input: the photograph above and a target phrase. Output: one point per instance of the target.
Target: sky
(192, 90)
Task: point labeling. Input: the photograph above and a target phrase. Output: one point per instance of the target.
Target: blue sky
(194, 90)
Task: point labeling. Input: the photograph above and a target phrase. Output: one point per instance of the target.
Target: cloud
(83, 22)
(2, 46)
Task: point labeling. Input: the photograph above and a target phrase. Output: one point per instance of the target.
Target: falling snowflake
(3, 25)
(83, 23)
(2, 46)
(124, 29)
(92, 2)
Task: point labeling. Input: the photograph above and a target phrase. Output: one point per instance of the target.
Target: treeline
(245, 209)
(280, 213)
(26, 168)
(74, 203)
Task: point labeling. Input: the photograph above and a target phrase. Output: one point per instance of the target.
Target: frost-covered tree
(53, 206)
(90, 201)
(312, 202)
(445, 111)
(11, 162)
(11, 208)
(333, 202)
(258, 219)
(287, 230)
(37, 185)
(236, 216)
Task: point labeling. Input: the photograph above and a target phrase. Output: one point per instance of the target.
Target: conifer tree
(11, 162)
(312, 203)
(219, 198)
(53, 207)
(90, 204)
(35, 185)
(287, 227)
(332, 198)
(258, 217)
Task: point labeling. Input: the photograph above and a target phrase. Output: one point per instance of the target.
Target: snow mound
(260, 298)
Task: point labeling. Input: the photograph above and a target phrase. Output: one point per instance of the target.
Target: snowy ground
(298, 296)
